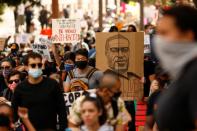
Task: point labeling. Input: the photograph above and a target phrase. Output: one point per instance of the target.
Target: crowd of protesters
(32, 88)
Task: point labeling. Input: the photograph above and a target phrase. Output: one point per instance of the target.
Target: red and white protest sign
(65, 30)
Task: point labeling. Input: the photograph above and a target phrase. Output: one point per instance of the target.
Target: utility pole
(141, 14)
(101, 15)
(55, 9)
(106, 3)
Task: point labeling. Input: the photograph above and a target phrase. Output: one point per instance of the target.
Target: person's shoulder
(21, 86)
(191, 65)
(49, 80)
(96, 71)
(189, 74)
(190, 70)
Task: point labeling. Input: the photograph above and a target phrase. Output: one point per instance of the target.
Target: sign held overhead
(66, 30)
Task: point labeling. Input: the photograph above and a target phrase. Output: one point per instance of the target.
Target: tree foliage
(17, 2)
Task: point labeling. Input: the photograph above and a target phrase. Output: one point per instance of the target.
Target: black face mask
(81, 64)
(117, 95)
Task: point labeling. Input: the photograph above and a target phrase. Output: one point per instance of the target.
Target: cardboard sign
(2, 43)
(65, 30)
(123, 53)
(147, 48)
(41, 46)
(22, 38)
(71, 97)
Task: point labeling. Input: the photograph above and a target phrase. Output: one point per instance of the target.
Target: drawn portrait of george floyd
(121, 53)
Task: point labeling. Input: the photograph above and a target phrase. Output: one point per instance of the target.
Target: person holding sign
(41, 96)
(109, 91)
(83, 77)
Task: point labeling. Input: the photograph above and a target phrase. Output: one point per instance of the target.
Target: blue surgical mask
(35, 73)
(68, 67)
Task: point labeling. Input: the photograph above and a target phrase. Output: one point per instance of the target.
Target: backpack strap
(91, 72)
(71, 74)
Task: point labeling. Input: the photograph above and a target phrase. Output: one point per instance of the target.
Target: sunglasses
(5, 67)
(34, 65)
(11, 81)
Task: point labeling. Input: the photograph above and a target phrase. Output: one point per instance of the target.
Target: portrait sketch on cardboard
(123, 53)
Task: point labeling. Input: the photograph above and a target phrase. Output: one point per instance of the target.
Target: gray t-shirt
(93, 81)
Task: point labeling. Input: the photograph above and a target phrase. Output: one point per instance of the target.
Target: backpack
(78, 84)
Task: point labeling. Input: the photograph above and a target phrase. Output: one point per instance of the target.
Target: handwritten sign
(22, 38)
(41, 46)
(71, 97)
(65, 30)
(2, 43)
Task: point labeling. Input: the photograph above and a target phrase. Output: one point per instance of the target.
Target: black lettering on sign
(65, 96)
(71, 98)
(43, 47)
(40, 52)
(35, 46)
(77, 94)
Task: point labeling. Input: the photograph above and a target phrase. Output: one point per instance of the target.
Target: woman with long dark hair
(93, 114)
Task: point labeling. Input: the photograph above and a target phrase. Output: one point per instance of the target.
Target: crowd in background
(31, 87)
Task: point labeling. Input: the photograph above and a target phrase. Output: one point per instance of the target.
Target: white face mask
(174, 55)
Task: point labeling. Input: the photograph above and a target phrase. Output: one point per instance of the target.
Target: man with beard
(117, 51)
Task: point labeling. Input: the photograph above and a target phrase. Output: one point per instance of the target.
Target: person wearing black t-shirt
(41, 96)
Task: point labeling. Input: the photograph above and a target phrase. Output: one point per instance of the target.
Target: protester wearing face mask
(68, 64)
(41, 96)
(6, 67)
(83, 73)
(13, 79)
(176, 48)
(109, 91)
